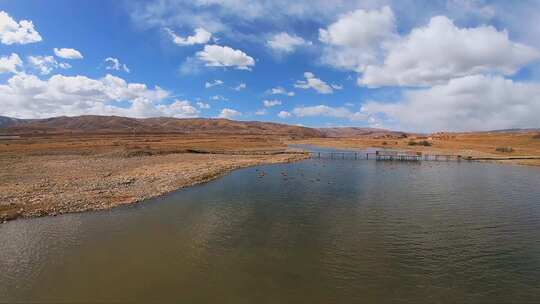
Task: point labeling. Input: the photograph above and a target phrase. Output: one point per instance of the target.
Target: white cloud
(469, 103)
(219, 98)
(112, 63)
(68, 53)
(271, 103)
(441, 51)
(178, 109)
(27, 96)
(336, 86)
(280, 91)
(9, 64)
(284, 114)
(203, 105)
(232, 18)
(327, 111)
(46, 64)
(13, 32)
(261, 112)
(285, 43)
(214, 83)
(240, 87)
(356, 38)
(226, 16)
(229, 113)
(224, 56)
(201, 36)
(314, 83)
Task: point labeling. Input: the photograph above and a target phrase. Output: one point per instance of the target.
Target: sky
(426, 66)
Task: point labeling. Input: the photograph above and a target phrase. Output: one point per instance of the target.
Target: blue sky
(448, 65)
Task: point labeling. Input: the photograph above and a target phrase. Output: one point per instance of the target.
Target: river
(316, 231)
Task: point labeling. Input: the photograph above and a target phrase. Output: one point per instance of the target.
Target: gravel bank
(54, 184)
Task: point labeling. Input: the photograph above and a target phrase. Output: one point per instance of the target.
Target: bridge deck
(388, 156)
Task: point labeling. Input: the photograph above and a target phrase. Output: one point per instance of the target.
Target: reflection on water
(319, 231)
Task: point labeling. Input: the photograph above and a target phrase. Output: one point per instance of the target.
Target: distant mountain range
(116, 124)
(8, 121)
(357, 132)
(514, 130)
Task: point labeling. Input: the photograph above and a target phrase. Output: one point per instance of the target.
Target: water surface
(318, 231)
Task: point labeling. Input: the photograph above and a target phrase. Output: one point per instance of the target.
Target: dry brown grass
(152, 143)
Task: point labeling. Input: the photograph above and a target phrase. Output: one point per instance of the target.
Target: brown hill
(360, 132)
(115, 124)
(9, 121)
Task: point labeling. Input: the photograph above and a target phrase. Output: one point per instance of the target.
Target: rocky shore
(39, 185)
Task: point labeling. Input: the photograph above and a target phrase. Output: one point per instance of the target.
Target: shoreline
(126, 181)
(50, 175)
(476, 154)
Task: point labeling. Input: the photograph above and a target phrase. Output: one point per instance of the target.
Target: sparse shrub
(537, 136)
(138, 153)
(424, 143)
(384, 143)
(504, 149)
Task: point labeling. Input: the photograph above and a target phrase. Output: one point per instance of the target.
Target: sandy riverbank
(54, 175)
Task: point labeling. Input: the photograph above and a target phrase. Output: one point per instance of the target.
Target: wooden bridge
(388, 156)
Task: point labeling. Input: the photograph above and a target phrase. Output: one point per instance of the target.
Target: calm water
(319, 231)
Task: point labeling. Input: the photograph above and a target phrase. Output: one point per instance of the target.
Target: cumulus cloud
(13, 32)
(230, 17)
(27, 96)
(285, 43)
(469, 103)
(46, 64)
(203, 105)
(9, 64)
(112, 63)
(356, 38)
(178, 109)
(214, 83)
(284, 114)
(271, 103)
(201, 36)
(224, 56)
(312, 82)
(68, 53)
(441, 51)
(328, 111)
(226, 16)
(229, 113)
(280, 91)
